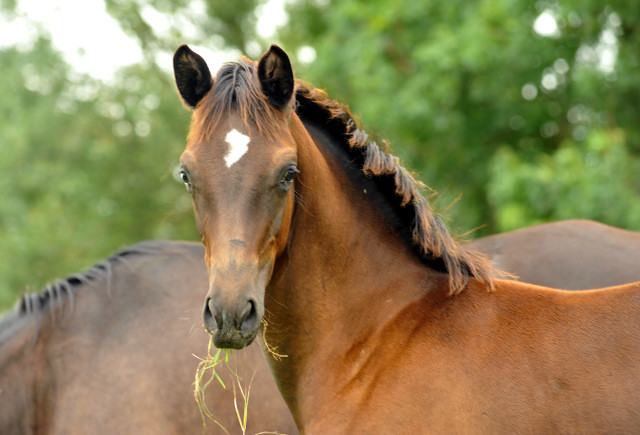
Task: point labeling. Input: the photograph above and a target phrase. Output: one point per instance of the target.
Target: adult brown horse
(387, 323)
(110, 351)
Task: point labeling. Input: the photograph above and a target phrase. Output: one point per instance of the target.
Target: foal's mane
(236, 88)
(422, 228)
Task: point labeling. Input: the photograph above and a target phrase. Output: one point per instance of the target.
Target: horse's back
(571, 254)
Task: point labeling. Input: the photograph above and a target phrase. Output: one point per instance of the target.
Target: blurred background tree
(525, 110)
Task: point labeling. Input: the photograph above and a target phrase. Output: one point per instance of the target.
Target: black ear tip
(180, 52)
(277, 50)
(276, 76)
(192, 75)
(182, 48)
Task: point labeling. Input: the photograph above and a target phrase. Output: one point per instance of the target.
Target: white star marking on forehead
(237, 147)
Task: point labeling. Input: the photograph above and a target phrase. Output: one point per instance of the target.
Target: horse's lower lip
(232, 338)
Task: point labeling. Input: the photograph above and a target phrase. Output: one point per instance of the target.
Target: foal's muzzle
(231, 328)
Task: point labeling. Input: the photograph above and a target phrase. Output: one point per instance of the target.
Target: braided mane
(423, 229)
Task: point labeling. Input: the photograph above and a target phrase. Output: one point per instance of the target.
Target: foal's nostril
(208, 318)
(220, 321)
(248, 319)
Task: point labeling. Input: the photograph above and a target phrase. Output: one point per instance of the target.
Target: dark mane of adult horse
(387, 323)
(111, 351)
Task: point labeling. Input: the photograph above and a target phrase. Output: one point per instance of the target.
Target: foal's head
(239, 167)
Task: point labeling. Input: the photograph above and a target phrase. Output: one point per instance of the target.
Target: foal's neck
(341, 280)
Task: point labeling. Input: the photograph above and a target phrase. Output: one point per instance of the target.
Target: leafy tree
(85, 168)
(451, 83)
(595, 178)
(213, 23)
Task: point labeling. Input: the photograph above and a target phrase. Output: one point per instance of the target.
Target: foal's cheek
(200, 229)
(197, 218)
(284, 225)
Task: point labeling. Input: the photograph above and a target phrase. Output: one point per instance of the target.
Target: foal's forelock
(236, 89)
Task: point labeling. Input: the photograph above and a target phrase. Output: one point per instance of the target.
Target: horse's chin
(231, 338)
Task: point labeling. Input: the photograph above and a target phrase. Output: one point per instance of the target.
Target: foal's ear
(192, 74)
(276, 76)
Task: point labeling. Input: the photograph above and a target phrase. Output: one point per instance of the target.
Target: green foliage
(85, 168)
(446, 81)
(594, 179)
(527, 128)
(214, 23)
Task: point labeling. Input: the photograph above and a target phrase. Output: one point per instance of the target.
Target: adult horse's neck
(328, 300)
(19, 360)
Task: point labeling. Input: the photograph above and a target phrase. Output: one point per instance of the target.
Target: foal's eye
(289, 175)
(185, 180)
